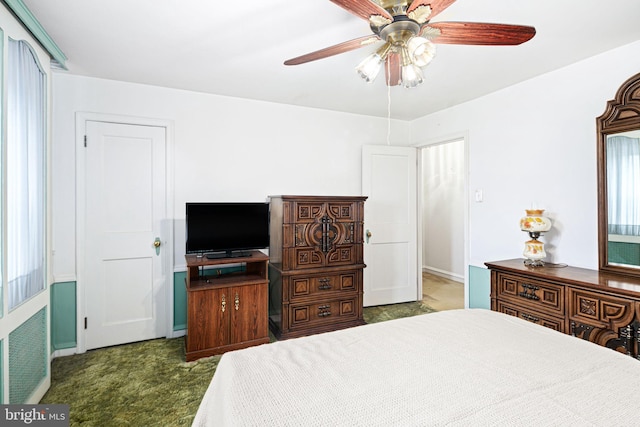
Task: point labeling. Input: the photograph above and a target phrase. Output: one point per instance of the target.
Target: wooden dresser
(316, 263)
(600, 307)
(226, 307)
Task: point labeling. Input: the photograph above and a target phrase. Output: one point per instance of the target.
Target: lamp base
(534, 263)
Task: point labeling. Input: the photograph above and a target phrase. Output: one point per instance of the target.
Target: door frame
(464, 136)
(82, 118)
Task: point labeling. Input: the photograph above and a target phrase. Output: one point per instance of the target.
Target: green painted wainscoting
(63, 315)
(479, 287)
(179, 301)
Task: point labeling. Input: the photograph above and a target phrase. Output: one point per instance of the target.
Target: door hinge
(85, 323)
(85, 140)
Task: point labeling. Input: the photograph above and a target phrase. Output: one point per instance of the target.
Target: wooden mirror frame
(621, 115)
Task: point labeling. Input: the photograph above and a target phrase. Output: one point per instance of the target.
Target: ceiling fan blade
(362, 8)
(478, 33)
(333, 50)
(437, 6)
(392, 69)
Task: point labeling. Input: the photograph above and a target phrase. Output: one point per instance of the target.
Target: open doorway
(442, 220)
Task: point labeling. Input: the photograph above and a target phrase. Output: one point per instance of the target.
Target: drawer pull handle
(530, 318)
(324, 310)
(529, 292)
(324, 284)
(527, 295)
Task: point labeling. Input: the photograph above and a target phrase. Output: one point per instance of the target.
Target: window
(25, 166)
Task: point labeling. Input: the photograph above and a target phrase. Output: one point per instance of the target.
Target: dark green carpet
(381, 313)
(149, 383)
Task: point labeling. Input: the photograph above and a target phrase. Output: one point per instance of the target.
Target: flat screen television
(219, 230)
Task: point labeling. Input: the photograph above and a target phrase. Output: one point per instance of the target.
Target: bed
(460, 367)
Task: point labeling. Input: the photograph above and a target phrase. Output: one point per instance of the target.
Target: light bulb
(421, 50)
(411, 75)
(369, 68)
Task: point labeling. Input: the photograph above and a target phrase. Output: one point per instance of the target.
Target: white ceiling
(238, 48)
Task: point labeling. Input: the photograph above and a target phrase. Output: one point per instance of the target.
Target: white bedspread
(461, 367)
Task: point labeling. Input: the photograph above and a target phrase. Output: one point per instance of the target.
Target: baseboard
(442, 273)
(64, 352)
(178, 333)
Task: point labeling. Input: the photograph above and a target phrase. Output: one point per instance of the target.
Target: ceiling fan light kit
(407, 32)
(370, 66)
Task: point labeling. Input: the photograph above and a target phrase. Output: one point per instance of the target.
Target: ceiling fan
(409, 37)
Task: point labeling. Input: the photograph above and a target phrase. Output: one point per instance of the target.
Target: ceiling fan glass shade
(411, 73)
(421, 50)
(369, 68)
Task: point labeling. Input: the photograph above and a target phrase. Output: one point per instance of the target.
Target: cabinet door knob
(224, 303)
(156, 244)
(237, 301)
(368, 234)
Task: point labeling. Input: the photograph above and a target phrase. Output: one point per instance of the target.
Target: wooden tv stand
(226, 311)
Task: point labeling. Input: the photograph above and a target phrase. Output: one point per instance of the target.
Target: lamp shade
(411, 75)
(421, 50)
(535, 221)
(369, 68)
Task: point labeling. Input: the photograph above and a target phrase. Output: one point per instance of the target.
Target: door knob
(368, 235)
(156, 244)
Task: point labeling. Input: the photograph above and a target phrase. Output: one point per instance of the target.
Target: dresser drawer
(537, 295)
(600, 310)
(532, 316)
(312, 257)
(323, 312)
(323, 285)
(300, 211)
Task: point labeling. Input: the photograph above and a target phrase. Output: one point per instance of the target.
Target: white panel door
(125, 200)
(389, 179)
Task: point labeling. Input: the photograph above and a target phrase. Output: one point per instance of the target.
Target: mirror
(619, 181)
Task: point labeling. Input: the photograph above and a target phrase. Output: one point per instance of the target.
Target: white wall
(531, 143)
(443, 181)
(535, 142)
(225, 149)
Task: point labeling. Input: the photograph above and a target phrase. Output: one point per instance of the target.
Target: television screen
(226, 227)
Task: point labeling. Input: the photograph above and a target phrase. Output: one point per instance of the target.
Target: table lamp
(534, 223)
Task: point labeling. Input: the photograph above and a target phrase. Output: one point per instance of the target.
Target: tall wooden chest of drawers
(316, 262)
(600, 307)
